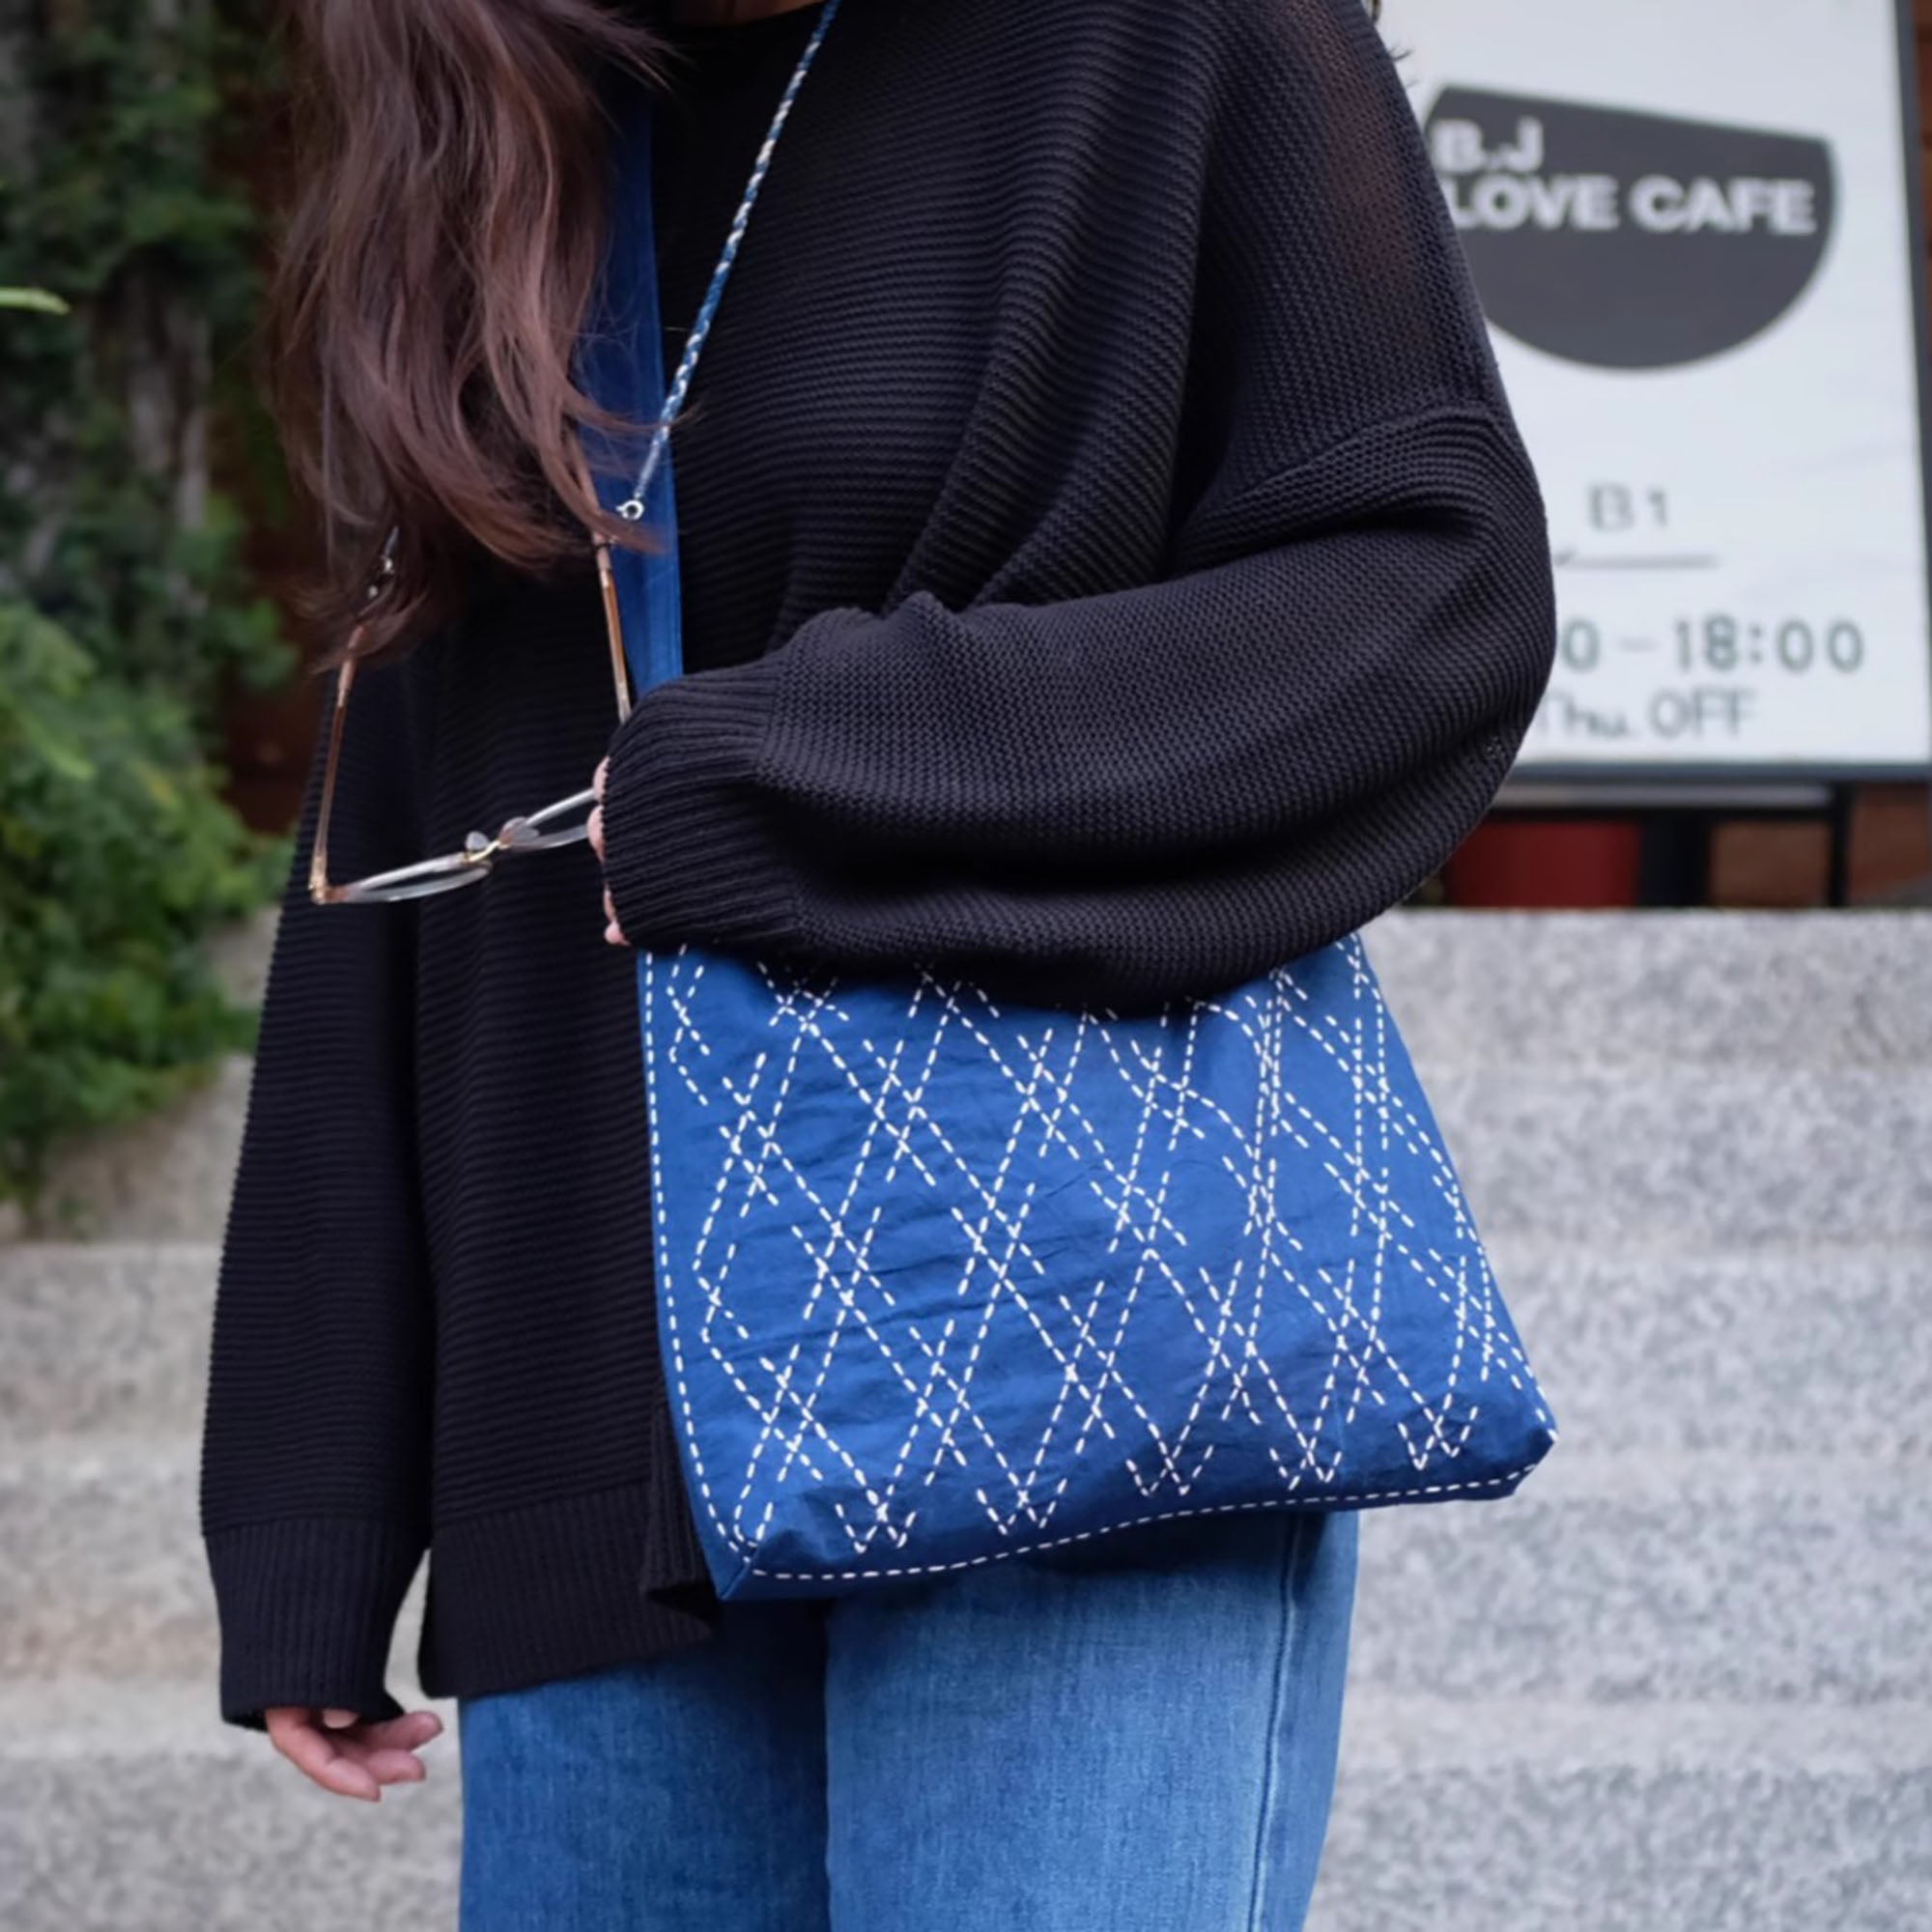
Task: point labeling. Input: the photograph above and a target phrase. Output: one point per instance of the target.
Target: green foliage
(127, 218)
(127, 259)
(117, 858)
(43, 299)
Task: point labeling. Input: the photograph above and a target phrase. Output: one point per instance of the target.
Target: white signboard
(1692, 232)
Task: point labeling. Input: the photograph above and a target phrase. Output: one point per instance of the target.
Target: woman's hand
(613, 933)
(340, 1752)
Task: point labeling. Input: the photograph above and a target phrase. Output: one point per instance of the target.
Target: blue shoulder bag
(943, 1279)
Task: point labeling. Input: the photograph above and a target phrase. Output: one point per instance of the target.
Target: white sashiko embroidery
(942, 1281)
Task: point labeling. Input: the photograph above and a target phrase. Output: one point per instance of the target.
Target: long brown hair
(443, 247)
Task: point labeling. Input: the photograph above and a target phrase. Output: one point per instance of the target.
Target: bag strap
(622, 362)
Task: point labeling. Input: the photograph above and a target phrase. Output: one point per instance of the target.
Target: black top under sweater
(1110, 569)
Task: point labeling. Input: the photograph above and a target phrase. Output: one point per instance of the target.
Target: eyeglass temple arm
(607, 584)
(613, 629)
(319, 887)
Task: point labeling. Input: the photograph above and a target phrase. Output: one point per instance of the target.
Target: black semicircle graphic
(1628, 296)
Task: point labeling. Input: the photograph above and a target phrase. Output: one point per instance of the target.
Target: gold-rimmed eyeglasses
(567, 822)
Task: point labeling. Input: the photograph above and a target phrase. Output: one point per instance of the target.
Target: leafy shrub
(117, 858)
(138, 459)
(130, 433)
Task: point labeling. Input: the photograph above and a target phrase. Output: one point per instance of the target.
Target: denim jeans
(1138, 1735)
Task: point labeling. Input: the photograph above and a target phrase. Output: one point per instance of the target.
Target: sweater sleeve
(1172, 786)
(315, 1446)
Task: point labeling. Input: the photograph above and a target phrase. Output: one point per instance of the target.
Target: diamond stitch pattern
(943, 1280)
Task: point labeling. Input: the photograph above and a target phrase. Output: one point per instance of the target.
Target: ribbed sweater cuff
(307, 1611)
(574, 1584)
(689, 854)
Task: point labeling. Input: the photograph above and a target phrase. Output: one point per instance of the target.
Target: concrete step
(131, 1808)
(1527, 1815)
(108, 1337)
(164, 1178)
(1690, 1156)
(1758, 1350)
(1616, 1577)
(1763, 1040)
(1663, 1347)
(105, 1574)
(1818, 991)
(1687, 1153)
(168, 1178)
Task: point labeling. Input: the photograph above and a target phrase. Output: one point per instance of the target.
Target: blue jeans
(1136, 1736)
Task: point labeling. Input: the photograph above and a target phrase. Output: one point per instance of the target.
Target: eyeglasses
(567, 822)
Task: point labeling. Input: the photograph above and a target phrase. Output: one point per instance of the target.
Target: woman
(1109, 568)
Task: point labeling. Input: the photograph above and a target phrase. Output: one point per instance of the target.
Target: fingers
(613, 933)
(318, 1756)
(336, 1750)
(597, 783)
(408, 1732)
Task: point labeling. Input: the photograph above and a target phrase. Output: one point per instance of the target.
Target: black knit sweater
(1110, 569)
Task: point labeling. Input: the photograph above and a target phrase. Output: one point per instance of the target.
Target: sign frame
(1711, 778)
